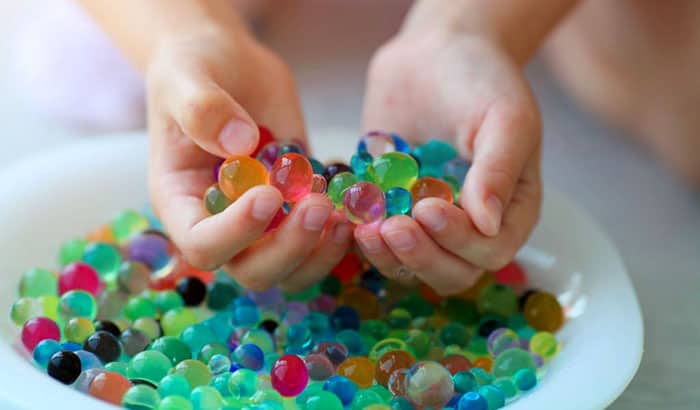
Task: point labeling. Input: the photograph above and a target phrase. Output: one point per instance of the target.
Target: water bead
(209, 350)
(454, 333)
(104, 258)
(71, 251)
(429, 187)
(78, 329)
(289, 375)
(507, 386)
(352, 340)
(342, 387)
(543, 312)
(292, 175)
(299, 338)
(338, 185)
(88, 360)
(376, 143)
(493, 395)
(365, 399)
(148, 326)
(155, 250)
(398, 201)
(484, 362)
(455, 363)
(219, 364)
(117, 367)
(464, 381)
(168, 300)
(140, 397)
(174, 385)
(260, 338)
(359, 163)
(110, 304)
(24, 309)
(245, 316)
(334, 169)
(364, 203)
(44, 350)
(363, 301)
(104, 345)
(243, 383)
(175, 403)
(37, 282)
(109, 386)
(324, 303)
(127, 224)
(133, 277)
(291, 148)
(394, 169)
(335, 351)
(197, 336)
(512, 274)
(318, 184)
(359, 369)
(206, 398)
(500, 340)
(384, 346)
(267, 155)
(428, 384)
(545, 345)
(323, 400)
(419, 342)
(316, 166)
(37, 329)
(391, 361)
(399, 318)
(511, 360)
(266, 137)
(319, 366)
(525, 379)
(432, 157)
(498, 299)
(215, 201)
(240, 173)
(196, 372)
(456, 168)
(472, 401)
(138, 307)
(248, 356)
(64, 366)
(78, 276)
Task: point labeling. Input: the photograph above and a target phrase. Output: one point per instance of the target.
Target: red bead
(289, 375)
(266, 137)
(348, 267)
(511, 274)
(37, 329)
(79, 275)
(292, 175)
(279, 217)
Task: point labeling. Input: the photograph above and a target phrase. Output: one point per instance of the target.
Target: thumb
(212, 118)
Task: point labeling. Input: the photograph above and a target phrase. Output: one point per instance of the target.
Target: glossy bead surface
(364, 203)
(398, 201)
(64, 366)
(429, 187)
(543, 312)
(104, 345)
(429, 384)
(39, 282)
(37, 329)
(359, 369)
(215, 201)
(109, 386)
(289, 375)
(391, 361)
(394, 169)
(432, 156)
(338, 185)
(240, 173)
(292, 175)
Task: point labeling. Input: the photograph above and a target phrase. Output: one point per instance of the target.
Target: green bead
(432, 157)
(498, 299)
(243, 383)
(141, 397)
(206, 398)
(305, 295)
(267, 396)
(173, 348)
(210, 350)
(77, 303)
(138, 307)
(311, 389)
(331, 285)
(464, 381)
(127, 224)
(38, 282)
(511, 360)
(175, 403)
(196, 372)
(525, 379)
(393, 169)
(545, 345)
(149, 365)
(382, 391)
(118, 367)
(416, 305)
(168, 300)
(507, 386)
(49, 304)
(460, 310)
(419, 342)
(493, 395)
(324, 400)
(104, 257)
(198, 335)
(338, 185)
(478, 346)
(359, 163)
(374, 328)
(454, 333)
(481, 376)
(24, 309)
(215, 201)
(78, 329)
(399, 318)
(71, 251)
(148, 326)
(260, 338)
(174, 385)
(526, 332)
(220, 295)
(174, 321)
(364, 398)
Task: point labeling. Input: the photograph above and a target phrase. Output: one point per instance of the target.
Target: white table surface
(654, 219)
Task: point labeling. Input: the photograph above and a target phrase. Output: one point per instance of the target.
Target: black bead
(335, 168)
(104, 345)
(523, 298)
(108, 326)
(269, 325)
(64, 366)
(192, 290)
(489, 326)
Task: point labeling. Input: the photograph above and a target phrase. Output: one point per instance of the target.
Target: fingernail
(342, 233)
(494, 213)
(371, 244)
(237, 136)
(315, 218)
(401, 239)
(434, 217)
(264, 207)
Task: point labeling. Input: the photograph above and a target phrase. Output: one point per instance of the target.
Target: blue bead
(345, 317)
(359, 163)
(70, 346)
(342, 387)
(316, 166)
(472, 401)
(400, 144)
(44, 350)
(249, 356)
(398, 201)
(525, 379)
(244, 301)
(88, 360)
(456, 168)
(454, 401)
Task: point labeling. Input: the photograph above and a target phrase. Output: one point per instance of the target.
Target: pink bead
(79, 275)
(289, 375)
(38, 329)
(364, 203)
(511, 274)
(318, 184)
(292, 175)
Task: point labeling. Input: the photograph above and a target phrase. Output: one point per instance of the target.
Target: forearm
(138, 26)
(519, 26)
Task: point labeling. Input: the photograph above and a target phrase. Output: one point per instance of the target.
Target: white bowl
(62, 194)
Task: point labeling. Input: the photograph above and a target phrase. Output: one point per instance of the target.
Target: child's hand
(206, 92)
(466, 89)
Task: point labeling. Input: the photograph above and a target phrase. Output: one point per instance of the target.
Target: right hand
(198, 85)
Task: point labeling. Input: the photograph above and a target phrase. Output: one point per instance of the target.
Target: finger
(441, 270)
(333, 245)
(269, 261)
(452, 229)
(210, 116)
(506, 140)
(378, 253)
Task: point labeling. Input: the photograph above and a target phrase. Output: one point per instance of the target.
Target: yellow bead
(240, 173)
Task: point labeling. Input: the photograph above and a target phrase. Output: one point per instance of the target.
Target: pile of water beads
(385, 176)
(126, 320)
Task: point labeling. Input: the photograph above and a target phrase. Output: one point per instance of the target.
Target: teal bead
(267, 396)
(365, 398)
(481, 376)
(464, 381)
(127, 224)
(454, 333)
(118, 367)
(512, 360)
(206, 398)
(507, 386)
(175, 403)
(359, 163)
(168, 300)
(150, 366)
(174, 385)
(400, 403)
(38, 282)
(44, 350)
(525, 379)
(493, 395)
(141, 397)
(316, 165)
(526, 332)
(398, 201)
(270, 359)
(196, 336)
(432, 157)
(104, 257)
(77, 303)
(299, 338)
(382, 391)
(173, 348)
(517, 322)
(71, 251)
(220, 295)
(243, 383)
(324, 400)
(311, 389)
(220, 383)
(393, 169)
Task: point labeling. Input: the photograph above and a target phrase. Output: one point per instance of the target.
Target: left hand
(468, 90)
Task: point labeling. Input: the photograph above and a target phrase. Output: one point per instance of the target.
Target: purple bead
(269, 154)
(270, 299)
(216, 169)
(151, 248)
(323, 303)
(364, 203)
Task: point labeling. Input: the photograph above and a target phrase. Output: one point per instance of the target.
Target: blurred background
(61, 80)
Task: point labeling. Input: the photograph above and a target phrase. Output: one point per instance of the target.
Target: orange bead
(240, 173)
(456, 363)
(484, 362)
(110, 387)
(542, 311)
(359, 369)
(102, 234)
(390, 361)
(429, 187)
(362, 300)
